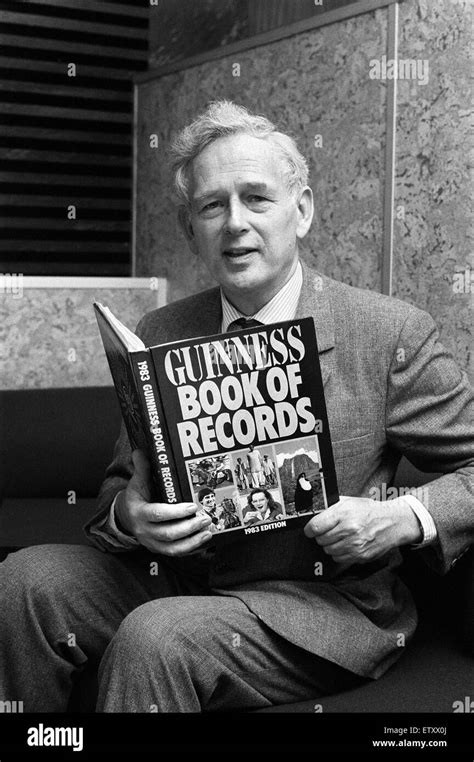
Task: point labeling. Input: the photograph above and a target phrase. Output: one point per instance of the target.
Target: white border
(81, 282)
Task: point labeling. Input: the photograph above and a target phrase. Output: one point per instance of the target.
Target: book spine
(162, 460)
(172, 416)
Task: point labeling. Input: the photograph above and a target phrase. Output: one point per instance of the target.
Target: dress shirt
(283, 306)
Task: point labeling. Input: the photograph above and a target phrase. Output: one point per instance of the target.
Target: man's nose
(236, 221)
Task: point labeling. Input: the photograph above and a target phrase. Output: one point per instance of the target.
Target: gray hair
(224, 118)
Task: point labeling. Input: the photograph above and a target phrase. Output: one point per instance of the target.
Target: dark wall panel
(66, 141)
(180, 29)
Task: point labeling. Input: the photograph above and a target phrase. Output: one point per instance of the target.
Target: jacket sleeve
(430, 419)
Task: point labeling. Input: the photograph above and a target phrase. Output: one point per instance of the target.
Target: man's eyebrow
(203, 196)
(255, 187)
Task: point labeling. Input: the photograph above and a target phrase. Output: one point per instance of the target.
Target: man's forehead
(238, 158)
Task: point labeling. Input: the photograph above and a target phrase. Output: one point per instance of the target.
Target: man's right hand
(173, 530)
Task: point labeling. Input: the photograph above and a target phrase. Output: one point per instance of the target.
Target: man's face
(259, 501)
(244, 224)
(209, 501)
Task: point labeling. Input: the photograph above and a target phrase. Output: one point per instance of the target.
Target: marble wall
(49, 336)
(312, 84)
(317, 83)
(433, 231)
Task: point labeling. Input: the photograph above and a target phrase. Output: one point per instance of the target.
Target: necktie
(243, 322)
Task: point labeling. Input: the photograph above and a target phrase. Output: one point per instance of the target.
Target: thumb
(141, 476)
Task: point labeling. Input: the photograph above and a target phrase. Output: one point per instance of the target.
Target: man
(241, 474)
(229, 517)
(255, 461)
(269, 471)
(163, 642)
(207, 499)
(261, 508)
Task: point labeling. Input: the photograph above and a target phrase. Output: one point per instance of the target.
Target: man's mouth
(238, 251)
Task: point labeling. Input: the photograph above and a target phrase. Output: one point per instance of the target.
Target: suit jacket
(391, 389)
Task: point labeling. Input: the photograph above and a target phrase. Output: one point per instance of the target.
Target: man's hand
(359, 530)
(173, 530)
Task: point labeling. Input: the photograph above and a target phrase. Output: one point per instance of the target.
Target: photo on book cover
(266, 484)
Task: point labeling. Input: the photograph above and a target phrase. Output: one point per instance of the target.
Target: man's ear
(184, 219)
(305, 212)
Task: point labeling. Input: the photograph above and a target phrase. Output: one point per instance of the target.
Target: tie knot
(243, 322)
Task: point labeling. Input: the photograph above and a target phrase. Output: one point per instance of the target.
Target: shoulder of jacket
(176, 311)
(375, 307)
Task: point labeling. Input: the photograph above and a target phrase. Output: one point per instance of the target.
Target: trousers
(160, 638)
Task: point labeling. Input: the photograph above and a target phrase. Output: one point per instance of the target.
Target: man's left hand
(359, 530)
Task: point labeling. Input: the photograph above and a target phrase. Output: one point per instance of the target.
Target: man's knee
(42, 572)
(167, 629)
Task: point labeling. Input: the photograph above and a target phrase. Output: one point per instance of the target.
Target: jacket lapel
(205, 320)
(314, 302)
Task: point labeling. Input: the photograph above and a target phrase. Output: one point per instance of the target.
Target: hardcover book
(234, 422)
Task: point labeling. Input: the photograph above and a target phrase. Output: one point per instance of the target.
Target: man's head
(207, 498)
(245, 202)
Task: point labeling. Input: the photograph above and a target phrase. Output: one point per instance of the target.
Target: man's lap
(82, 591)
(207, 653)
(84, 571)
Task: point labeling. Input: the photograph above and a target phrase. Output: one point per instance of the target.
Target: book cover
(248, 426)
(234, 422)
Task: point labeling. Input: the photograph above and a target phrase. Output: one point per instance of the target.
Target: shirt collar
(283, 306)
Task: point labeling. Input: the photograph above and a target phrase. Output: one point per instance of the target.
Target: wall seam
(390, 148)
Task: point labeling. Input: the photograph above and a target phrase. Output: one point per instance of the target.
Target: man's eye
(211, 205)
(256, 198)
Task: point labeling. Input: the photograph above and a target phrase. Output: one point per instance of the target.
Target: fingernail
(205, 521)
